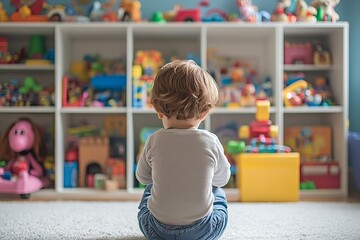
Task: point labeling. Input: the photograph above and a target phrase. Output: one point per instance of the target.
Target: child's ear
(160, 115)
(203, 116)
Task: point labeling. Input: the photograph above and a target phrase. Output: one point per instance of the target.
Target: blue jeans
(209, 227)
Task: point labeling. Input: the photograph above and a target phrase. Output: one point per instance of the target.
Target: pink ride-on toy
(23, 173)
(24, 184)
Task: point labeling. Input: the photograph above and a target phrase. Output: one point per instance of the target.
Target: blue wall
(348, 12)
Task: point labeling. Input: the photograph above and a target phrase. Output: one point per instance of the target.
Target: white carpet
(117, 220)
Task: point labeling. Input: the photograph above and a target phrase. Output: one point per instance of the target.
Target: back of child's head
(184, 90)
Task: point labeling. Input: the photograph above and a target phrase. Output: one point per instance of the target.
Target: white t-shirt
(183, 165)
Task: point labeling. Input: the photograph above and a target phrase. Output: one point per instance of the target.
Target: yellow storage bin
(268, 177)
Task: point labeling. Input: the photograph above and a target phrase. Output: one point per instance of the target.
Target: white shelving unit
(260, 41)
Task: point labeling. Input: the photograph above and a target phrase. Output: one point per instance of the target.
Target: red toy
(324, 175)
(298, 53)
(190, 15)
(20, 146)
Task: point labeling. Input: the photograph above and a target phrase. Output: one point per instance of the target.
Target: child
(183, 166)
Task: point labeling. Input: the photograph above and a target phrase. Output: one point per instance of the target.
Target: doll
(21, 145)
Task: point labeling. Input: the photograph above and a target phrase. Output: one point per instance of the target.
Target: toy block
(92, 150)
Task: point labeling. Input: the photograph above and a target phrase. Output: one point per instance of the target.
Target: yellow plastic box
(264, 177)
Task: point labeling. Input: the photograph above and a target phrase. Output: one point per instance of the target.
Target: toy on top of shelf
(130, 10)
(158, 17)
(28, 11)
(215, 15)
(250, 13)
(191, 15)
(61, 13)
(103, 11)
(283, 12)
(22, 147)
(3, 15)
(326, 10)
(305, 13)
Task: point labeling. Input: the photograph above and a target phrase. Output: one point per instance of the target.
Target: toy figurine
(22, 147)
(326, 10)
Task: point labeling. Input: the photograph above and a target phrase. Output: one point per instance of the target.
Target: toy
(289, 93)
(21, 146)
(190, 15)
(247, 10)
(146, 65)
(130, 10)
(60, 13)
(103, 11)
(3, 50)
(313, 142)
(3, 16)
(93, 154)
(295, 53)
(283, 12)
(326, 10)
(28, 11)
(321, 55)
(323, 175)
(305, 13)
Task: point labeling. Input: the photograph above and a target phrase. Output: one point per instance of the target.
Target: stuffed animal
(326, 10)
(21, 146)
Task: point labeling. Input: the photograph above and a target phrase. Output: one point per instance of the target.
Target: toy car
(24, 185)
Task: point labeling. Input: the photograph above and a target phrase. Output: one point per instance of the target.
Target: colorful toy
(248, 11)
(21, 146)
(326, 10)
(283, 11)
(3, 15)
(146, 65)
(314, 143)
(289, 93)
(28, 11)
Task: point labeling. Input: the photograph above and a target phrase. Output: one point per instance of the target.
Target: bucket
(354, 157)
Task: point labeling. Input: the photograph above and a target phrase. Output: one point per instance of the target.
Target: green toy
(30, 85)
(235, 147)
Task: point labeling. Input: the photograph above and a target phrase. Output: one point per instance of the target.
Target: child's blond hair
(184, 90)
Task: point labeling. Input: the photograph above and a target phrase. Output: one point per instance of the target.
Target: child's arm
(143, 169)
(222, 171)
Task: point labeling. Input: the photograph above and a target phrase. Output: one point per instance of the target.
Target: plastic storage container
(268, 177)
(354, 156)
